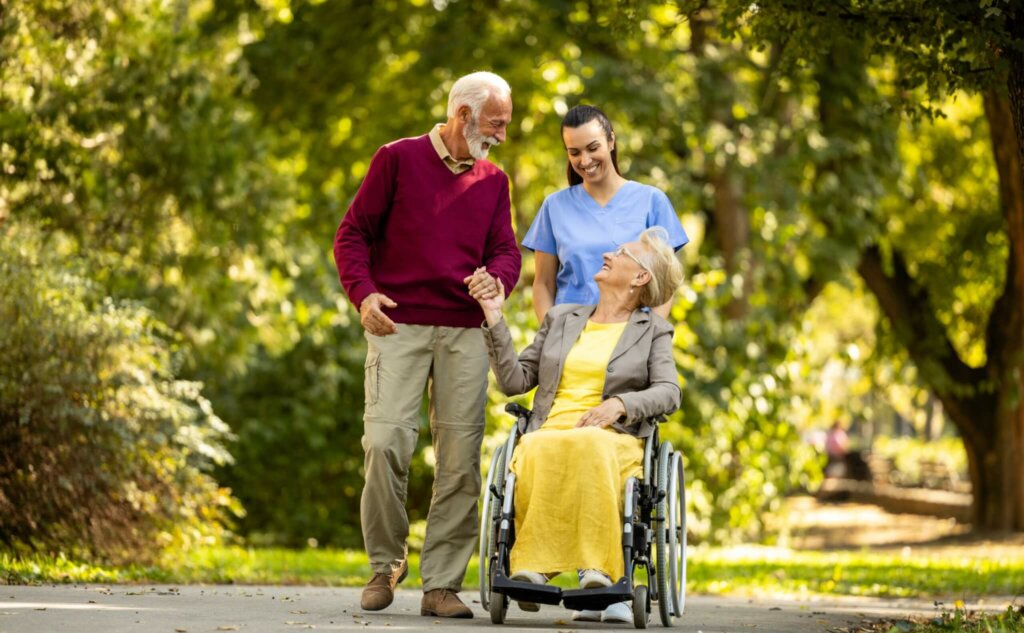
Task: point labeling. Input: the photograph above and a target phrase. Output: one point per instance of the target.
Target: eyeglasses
(622, 250)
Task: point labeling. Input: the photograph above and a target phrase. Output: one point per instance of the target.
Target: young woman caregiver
(598, 212)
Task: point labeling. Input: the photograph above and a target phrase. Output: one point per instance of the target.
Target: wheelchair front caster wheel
(640, 607)
(498, 607)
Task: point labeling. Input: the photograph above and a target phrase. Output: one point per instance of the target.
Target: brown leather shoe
(380, 591)
(444, 603)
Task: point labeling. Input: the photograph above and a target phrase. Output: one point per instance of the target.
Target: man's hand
(488, 291)
(604, 414)
(482, 285)
(372, 316)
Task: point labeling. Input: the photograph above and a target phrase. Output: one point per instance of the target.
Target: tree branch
(960, 387)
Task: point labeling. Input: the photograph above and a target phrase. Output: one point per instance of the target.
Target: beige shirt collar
(456, 166)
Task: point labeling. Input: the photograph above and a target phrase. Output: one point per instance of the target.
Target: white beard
(475, 140)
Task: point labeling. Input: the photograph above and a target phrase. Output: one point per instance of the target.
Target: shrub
(102, 451)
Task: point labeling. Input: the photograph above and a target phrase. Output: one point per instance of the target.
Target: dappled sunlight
(68, 606)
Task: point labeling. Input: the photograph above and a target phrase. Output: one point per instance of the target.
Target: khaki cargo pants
(453, 362)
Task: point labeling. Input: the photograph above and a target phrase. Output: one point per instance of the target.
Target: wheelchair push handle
(517, 410)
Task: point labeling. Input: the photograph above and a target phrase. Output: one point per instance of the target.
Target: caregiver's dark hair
(578, 116)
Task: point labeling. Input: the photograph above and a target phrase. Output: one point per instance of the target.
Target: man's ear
(465, 112)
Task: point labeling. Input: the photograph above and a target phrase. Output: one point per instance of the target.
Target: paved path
(196, 608)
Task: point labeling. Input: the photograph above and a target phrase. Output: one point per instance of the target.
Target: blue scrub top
(573, 227)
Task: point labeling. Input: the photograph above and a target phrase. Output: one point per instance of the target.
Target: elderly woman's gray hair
(474, 90)
(660, 260)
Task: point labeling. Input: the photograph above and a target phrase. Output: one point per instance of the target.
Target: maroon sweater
(415, 230)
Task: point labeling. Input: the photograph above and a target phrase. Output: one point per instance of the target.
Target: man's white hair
(474, 90)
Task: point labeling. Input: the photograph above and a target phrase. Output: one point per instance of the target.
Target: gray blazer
(641, 371)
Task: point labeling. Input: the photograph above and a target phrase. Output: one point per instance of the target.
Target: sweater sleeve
(362, 226)
(501, 253)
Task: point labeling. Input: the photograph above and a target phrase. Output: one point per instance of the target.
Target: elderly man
(431, 216)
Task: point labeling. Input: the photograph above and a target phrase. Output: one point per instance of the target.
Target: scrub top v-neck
(572, 226)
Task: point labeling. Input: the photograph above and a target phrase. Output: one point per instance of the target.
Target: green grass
(855, 573)
(711, 570)
(231, 565)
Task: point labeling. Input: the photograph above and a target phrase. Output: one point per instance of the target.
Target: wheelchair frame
(653, 538)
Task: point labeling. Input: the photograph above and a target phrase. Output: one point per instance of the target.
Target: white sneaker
(593, 578)
(587, 615)
(536, 578)
(618, 612)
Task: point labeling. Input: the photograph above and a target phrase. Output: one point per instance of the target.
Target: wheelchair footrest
(526, 591)
(599, 598)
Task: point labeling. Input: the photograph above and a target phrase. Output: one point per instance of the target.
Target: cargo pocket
(371, 380)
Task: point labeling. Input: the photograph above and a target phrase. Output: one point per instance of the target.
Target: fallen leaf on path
(180, 630)
(298, 612)
(228, 627)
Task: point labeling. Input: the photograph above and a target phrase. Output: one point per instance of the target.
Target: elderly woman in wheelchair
(605, 376)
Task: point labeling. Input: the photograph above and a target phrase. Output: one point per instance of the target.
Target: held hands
(604, 414)
(488, 291)
(372, 316)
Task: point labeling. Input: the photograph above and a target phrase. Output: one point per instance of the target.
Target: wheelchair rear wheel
(662, 534)
(677, 533)
(489, 512)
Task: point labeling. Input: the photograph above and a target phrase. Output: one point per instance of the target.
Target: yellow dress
(569, 481)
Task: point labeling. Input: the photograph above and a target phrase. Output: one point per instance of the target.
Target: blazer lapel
(572, 327)
(638, 323)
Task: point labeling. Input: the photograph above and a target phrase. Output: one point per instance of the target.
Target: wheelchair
(653, 539)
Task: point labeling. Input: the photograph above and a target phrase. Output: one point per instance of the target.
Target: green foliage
(196, 158)
(298, 457)
(143, 157)
(105, 451)
(943, 214)
(942, 46)
(740, 450)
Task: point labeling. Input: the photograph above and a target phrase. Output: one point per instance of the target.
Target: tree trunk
(730, 219)
(999, 502)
